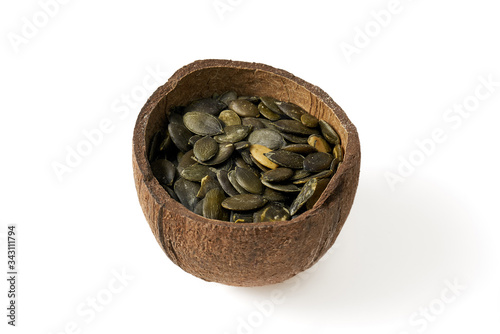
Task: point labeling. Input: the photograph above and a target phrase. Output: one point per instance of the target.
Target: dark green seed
(271, 213)
(278, 174)
(229, 117)
(208, 183)
(286, 188)
(295, 127)
(299, 148)
(186, 192)
(267, 113)
(321, 175)
(233, 134)
(226, 185)
(208, 105)
(166, 143)
(286, 158)
(241, 145)
(171, 193)
(309, 120)
(300, 174)
(180, 136)
(271, 104)
(244, 108)
(335, 164)
(155, 145)
(266, 137)
(253, 122)
(294, 138)
(205, 148)
(273, 195)
(247, 157)
(195, 172)
(248, 180)
(244, 202)
(224, 152)
(194, 139)
(212, 208)
(241, 217)
(320, 187)
(202, 124)
(185, 161)
(253, 99)
(228, 97)
(318, 161)
(291, 110)
(164, 171)
(198, 209)
(329, 133)
(234, 182)
(304, 195)
(175, 117)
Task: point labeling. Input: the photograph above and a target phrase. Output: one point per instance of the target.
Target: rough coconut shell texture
(251, 254)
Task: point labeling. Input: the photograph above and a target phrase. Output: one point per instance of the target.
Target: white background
(398, 249)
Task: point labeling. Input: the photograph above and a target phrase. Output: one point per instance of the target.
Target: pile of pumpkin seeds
(244, 159)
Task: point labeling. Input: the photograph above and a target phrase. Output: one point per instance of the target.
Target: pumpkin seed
(195, 172)
(208, 105)
(337, 152)
(253, 122)
(271, 104)
(259, 165)
(186, 192)
(224, 152)
(208, 183)
(212, 208)
(247, 157)
(253, 99)
(229, 117)
(155, 145)
(248, 180)
(304, 195)
(166, 144)
(294, 138)
(286, 188)
(241, 145)
(319, 143)
(300, 148)
(271, 212)
(194, 139)
(244, 202)
(335, 164)
(320, 175)
(234, 182)
(286, 158)
(202, 123)
(228, 97)
(205, 148)
(300, 174)
(316, 162)
(266, 137)
(185, 161)
(198, 209)
(268, 113)
(171, 193)
(273, 195)
(244, 108)
(329, 133)
(180, 136)
(233, 134)
(241, 217)
(309, 120)
(226, 185)
(258, 152)
(175, 117)
(278, 174)
(295, 127)
(291, 110)
(320, 187)
(164, 171)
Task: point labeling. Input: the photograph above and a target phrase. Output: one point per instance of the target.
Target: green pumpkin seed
(205, 148)
(180, 136)
(241, 217)
(319, 143)
(198, 209)
(337, 152)
(278, 174)
(228, 97)
(208, 105)
(166, 144)
(185, 161)
(273, 195)
(253, 99)
(329, 133)
(294, 138)
(266, 137)
(244, 202)
(186, 192)
(335, 164)
(258, 164)
(234, 182)
(291, 110)
(295, 127)
(304, 195)
(233, 134)
(320, 187)
(229, 117)
(253, 122)
(212, 208)
(171, 193)
(300, 174)
(224, 152)
(175, 117)
(155, 145)
(323, 174)
(194, 139)
(246, 156)
(267, 113)
(271, 104)
(248, 180)
(195, 172)
(202, 124)
(222, 177)
(286, 188)
(244, 108)
(300, 148)
(286, 158)
(271, 213)
(241, 145)
(208, 183)
(258, 153)
(164, 171)
(316, 162)
(309, 120)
